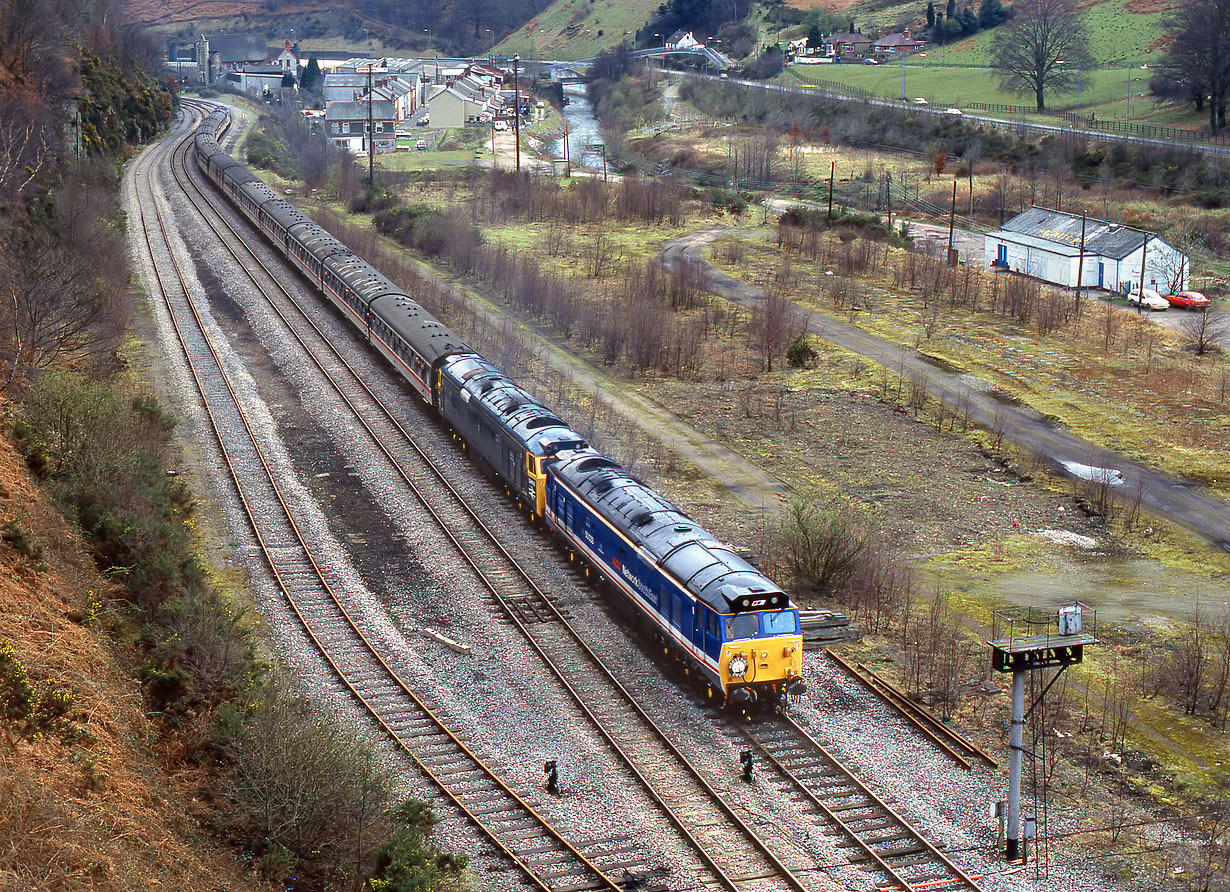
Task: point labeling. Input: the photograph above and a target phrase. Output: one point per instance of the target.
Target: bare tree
(1042, 48)
(774, 324)
(299, 779)
(1197, 67)
(1204, 329)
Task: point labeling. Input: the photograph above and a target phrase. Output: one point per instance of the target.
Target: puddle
(1126, 591)
(939, 363)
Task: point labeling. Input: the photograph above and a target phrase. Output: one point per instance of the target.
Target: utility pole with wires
(1144, 248)
(952, 222)
(517, 110)
(832, 173)
(1080, 266)
(371, 134)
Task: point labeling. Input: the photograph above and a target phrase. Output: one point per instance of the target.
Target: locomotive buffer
(1025, 640)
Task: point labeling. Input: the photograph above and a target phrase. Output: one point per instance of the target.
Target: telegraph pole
(952, 220)
(832, 173)
(1080, 266)
(517, 110)
(371, 134)
(1140, 307)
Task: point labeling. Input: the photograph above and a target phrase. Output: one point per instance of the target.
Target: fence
(838, 88)
(1089, 122)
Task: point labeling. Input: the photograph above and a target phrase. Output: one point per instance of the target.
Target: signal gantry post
(1027, 640)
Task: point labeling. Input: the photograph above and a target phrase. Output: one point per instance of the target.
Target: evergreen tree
(968, 21)
(991, 13)
(931, 14)
(937, 33)
(312, 79)
(814, 37)
(951, 12)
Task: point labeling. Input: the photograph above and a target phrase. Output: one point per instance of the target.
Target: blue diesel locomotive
(728, 621)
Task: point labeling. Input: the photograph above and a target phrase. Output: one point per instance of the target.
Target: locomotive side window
(742, 625)
(780, 623)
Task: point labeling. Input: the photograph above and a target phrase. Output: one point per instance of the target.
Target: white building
(682, 40)
(1046, 245)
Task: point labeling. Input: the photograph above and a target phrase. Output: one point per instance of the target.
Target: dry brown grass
(1145, 6)
(164, 12)
(100, 814)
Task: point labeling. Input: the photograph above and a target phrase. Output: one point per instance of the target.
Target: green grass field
(1103, 91)
(1120, 42)
(1116, 36)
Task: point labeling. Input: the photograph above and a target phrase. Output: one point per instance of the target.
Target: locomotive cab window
(742, 625)
(781, 623)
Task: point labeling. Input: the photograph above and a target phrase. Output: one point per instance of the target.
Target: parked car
(420, 146)
(870, 62)
(918, 100)
(1189, 300)
(423, 121)
(500, 125)
(953, 111)
(1148, 299)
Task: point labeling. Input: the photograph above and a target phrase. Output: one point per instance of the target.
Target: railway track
(735, 855)
(877, 837)
(550, 861)
(956, 746)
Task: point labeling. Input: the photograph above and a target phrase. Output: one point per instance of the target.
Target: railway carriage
(711, 607)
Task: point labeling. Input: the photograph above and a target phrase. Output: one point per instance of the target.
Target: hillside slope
(99, 813)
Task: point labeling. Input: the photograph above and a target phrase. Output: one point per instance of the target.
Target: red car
(1191, 300)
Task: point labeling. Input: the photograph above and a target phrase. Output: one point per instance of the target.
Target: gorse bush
(268, 151)
(410, 862)
(101, 448)
(28, 710)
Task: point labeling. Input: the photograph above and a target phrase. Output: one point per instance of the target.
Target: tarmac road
(1067, 454)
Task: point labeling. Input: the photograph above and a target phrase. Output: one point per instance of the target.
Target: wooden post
(888, 195)
(952, 221)
(1080, 266)
(371, 133)
(517, 110)
(1140, 307)
(832, 171)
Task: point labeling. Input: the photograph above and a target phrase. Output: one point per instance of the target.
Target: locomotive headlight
(737, 666)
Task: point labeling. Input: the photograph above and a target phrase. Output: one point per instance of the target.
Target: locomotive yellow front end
(762, 669)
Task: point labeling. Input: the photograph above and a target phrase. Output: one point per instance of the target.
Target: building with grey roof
(1047, 245)
(346, 125)
(218, 53)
